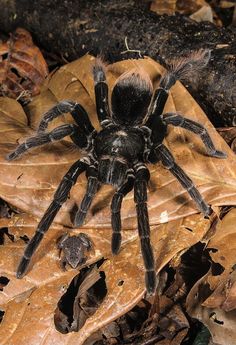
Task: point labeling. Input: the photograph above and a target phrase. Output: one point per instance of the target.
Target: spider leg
(92, 187)
(78, 113)
(115, 211)
(178, 69)
(59, 198)
(101, 94)
(160, 97)
(140, 197)
(179, 121)
(168, 161)
(44, 138)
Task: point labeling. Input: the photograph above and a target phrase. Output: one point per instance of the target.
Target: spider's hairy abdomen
(131, 97)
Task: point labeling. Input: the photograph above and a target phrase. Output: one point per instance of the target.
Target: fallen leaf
(198, 10)
(212, 300)
(33, 299)
(170, 7)
(229, 135)
(28, 182)
(221, 324)
(204, 14)
(22, 66)
(222, 248)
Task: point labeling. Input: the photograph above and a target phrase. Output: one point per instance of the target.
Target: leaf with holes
(28, 183)
(212, 299)
(22, 66)
(33, 299)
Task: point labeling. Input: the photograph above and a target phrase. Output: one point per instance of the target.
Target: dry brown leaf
(198, 10)
(29, 303)
(223, 253)
(22, 66)
(229, 135)
(212, 299)
(204, 14)
(28, 183)
(226, 4)
(224, 295)
(220, 323)
(172, 6)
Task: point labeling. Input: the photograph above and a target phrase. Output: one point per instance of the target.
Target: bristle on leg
(187, 66)
(99, 71)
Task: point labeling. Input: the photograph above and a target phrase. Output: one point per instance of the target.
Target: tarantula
(131, 136)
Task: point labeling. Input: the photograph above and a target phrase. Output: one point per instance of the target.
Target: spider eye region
(131, 97)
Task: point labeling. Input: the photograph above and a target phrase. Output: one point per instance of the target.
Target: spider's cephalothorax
(131, 136)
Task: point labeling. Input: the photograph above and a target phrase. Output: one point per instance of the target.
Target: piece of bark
(75, 27)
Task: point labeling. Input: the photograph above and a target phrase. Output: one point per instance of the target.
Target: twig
(130, 50)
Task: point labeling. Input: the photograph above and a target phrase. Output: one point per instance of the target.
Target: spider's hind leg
(115, 211)
(168, 161)
(140, 197)
(92, 188)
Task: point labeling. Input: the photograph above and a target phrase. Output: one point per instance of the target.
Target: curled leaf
(212, 299)
(37, 294)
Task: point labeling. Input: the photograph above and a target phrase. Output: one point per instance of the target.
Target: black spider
(132, 135)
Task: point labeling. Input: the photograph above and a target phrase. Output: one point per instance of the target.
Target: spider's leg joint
(191, 186)
(106, 123)
(144, 237)
(169, 165)
(86, 160)
(39, 230)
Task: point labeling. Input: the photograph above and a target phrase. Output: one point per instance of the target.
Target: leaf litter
(212, 299)
(28, 184)
(22, 67)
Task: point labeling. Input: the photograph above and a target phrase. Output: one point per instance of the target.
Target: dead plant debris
(104, 299)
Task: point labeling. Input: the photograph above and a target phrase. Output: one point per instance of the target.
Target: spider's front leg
(78, 113)
(101, 93)
(161, 152)
(81, 134)
(140, 197)
(59, 198)
(45, 138)
(179, 68)
(179, 121)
